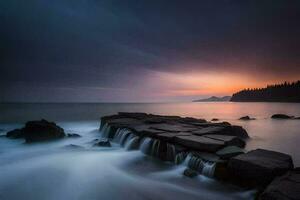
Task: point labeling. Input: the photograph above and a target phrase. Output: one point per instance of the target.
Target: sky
(144, 51)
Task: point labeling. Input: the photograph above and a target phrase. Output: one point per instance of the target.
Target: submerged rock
(103, 143)
(73, 146)
(286, 187)
(190, 173)
(246, 118)
(259, 167)
(35, 131)
(73, 135)
(281, 116)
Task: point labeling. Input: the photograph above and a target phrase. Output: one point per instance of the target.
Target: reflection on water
(52, 171)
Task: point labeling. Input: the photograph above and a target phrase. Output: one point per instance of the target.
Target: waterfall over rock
(160, 149)
(180, 157)
(105, 130)
(204, 167)
(145, 145)
(132, 143)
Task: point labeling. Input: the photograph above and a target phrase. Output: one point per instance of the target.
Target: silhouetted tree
(284, 92)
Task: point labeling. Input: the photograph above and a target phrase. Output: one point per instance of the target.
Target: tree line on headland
(284, 92)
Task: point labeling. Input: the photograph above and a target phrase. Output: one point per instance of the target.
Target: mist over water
(56, 170)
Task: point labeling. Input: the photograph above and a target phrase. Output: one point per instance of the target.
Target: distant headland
(214, 99)
(284, 92)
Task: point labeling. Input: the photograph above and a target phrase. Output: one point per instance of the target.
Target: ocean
(53, 170)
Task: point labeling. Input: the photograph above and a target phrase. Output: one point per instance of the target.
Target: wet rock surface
(36, 131)
(285, 187)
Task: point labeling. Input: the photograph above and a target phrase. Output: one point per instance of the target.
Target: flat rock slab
(173, 127)
(229, 152)
(286, 187)
(199, 143)
(259, 167)
(169, 137)
(228, 140)
(186, 131)
(222, 130)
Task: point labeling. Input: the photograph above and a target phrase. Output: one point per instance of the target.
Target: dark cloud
(115, 43)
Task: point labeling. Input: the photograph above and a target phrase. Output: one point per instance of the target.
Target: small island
(214, 99)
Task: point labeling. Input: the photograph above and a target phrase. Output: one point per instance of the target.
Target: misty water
(57, 170)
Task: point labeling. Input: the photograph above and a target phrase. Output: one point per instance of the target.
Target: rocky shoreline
(214, 149)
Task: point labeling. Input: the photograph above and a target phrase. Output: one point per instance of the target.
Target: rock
(42, 130)
(228, 140)
(103, 143)
(222, 130)
(221, 171)
(173, 127)
(229, 152)
(199, 143)
(297, 117)
(208, 157)
(281, 116)
(35, 131)
(246, 118)
(15, 134)
(286, 187)
(190, 173)
(169, 137)
(259, 167)
(215, 119)
(73, 135)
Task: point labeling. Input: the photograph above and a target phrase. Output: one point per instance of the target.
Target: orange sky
(206, 84)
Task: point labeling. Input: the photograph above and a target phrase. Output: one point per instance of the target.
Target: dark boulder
(281, 116)
(214, 120)
(246, 118)
(259, 167)
(35, 131)
(103, 143)
(286, 187)
(15, 134)
(190, 173)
